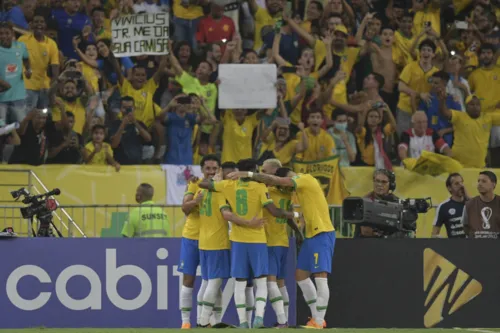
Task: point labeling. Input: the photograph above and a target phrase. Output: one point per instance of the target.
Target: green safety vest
(147, 221)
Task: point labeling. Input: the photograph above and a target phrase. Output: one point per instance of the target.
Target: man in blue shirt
(70, 23)
(439, 124)
(14, 14)
(13, 55)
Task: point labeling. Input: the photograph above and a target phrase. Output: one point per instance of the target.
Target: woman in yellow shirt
(371, 132)
(88, 65)
(279, 144)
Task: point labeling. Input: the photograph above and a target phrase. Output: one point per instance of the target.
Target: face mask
(341, 126)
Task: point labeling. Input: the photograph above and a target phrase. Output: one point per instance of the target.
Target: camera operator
(481, 218)
(384, 182)
(450, 211)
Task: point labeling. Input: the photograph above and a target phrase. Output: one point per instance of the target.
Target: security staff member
(147, 220)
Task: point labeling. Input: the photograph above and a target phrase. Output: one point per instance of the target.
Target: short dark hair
(136, 67)
(487, 46)
(407, 13)
(207, 158)
(442, 75)
(450, 176)
(98, 126)
(97, 9)
(317, 3)
(283, 172)
(490, 175)
(429, 43)
(337, 113)
(228, 165)
(70, 114)
(127, 99)
(387, 27)
(247, 164)
(379, 78)
(206, 62)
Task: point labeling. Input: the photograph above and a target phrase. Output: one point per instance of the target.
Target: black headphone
(391, 175)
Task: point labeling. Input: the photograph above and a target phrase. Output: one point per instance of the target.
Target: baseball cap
(341, 28)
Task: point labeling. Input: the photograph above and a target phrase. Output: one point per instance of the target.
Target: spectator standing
(65, 145)
(98, 152)
(14, 14)
(471, 130)
(441, 126)
(419, 138)
(345, 142)
(187, 14)
(128, 135)
(44, 58)
(13, 56)
(100, 25)
(238, 128)
(320, 143)
(216, 27)
(457, 86)
(265, 17)
(33, 132)
(70, 22)
(278, 143)
(404, 38)
(414, 83)
(481, 218)
(449, 212)
(485, 84)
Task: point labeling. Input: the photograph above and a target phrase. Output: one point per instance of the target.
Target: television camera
(40, 206)
(388, 217)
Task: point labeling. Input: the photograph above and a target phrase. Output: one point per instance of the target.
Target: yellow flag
(432, 164)
(329, 175)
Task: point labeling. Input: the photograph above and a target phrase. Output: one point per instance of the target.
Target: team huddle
(236, 228)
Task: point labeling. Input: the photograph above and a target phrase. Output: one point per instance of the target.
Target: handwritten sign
(246, 86)
(139, 34)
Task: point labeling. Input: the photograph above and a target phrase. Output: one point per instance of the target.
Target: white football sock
(199, 300)
(250, 303)
(186, 304)
(239, 300)
(310, 295)
(286, 300)
(209, 298)
(260, 296)
(218, 308)
(276, 301)
(323, 298)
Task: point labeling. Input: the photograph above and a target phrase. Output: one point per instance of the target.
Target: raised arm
(443, 108)
(263, 178)
(276, 51)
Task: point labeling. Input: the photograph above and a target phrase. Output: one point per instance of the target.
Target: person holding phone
(128, 135)
(65, 145)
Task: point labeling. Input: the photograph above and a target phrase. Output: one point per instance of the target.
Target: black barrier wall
(412, 284)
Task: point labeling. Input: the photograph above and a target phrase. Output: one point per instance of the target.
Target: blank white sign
(247, 86)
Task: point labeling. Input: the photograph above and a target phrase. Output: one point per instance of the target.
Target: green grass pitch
(232, 330)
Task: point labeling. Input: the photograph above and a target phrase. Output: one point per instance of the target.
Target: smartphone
(184, 100)
(428, 24)
(128, 110)
(73, 75)
(282, 121)
(461, 25)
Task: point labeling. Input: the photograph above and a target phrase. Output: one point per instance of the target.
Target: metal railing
(34, 186)
(108, 220)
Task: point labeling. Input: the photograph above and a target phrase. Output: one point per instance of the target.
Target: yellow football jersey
(276, 227)
(313, 204)
(214, 234)
(247, 199)
(192, 226)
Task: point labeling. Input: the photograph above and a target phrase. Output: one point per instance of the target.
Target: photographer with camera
(384, 183)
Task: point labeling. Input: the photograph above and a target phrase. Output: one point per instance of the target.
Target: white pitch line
(475, 330)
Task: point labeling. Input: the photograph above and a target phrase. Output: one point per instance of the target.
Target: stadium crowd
(374, 81)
